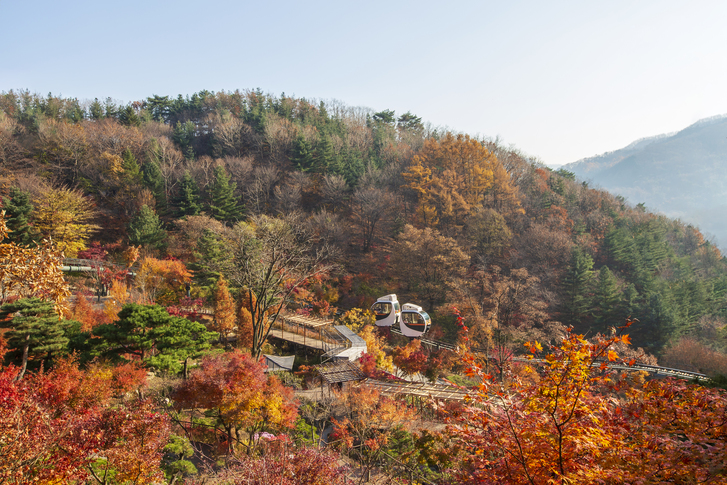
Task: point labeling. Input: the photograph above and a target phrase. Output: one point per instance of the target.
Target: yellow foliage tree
(357, 318)
(31, 272)
(375, 347)
(64, 215)
(454, 174)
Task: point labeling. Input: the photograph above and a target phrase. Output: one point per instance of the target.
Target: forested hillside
(147, 251)
(441, 218)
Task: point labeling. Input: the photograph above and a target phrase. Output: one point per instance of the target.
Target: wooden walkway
(303, 340)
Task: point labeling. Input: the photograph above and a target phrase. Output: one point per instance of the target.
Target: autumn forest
(147, 251)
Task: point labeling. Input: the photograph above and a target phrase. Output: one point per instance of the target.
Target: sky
(558, 80)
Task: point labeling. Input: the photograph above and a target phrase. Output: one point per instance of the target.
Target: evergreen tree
(154, 181)
(183, 135)
(224, 205)
(187, 200)
(110, 109)
(629, 302)
(302, 156)
(128, 116)
(146, 229)
(17, 211)
(35, 330)
(336, 165)
(353, 167)
(577, 286)
(606, 300)
(211, 257)
(324, 155)
(657, 321)
(96, 110)
(157, 338)
(178, 340)
(132, 171)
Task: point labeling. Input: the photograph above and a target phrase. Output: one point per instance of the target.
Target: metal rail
(439, 344)
(652, 369)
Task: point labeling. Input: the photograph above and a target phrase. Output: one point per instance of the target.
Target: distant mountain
(682, 175)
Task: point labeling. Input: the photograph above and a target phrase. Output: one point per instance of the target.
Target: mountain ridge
(682, 174)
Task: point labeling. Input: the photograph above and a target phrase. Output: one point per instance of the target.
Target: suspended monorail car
(414, 320)
(387, 311)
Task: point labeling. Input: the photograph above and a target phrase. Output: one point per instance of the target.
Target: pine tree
(324, 155)
(128, 116)
(353, 167)
(178, 340)
(336, 166)
(154, 180)
(224, 204)
(210, 258)
(187, 200)
(17, 210)
(35, 330)
(96, 110)
(146, 229)
(606, 300)
(183, 135)
(132, 171)
(302, 156)
(577, 286)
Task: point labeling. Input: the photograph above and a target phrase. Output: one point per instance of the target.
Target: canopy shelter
(304, 330)
(338, 373)
(279, 362)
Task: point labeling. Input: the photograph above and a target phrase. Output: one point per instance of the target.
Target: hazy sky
(559, 80)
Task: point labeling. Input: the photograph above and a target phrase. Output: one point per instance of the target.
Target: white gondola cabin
(414, 320)
(387, 311)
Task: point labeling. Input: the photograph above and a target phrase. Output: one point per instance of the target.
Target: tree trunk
(24, 365)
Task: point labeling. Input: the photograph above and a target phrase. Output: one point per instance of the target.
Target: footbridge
(337, 342)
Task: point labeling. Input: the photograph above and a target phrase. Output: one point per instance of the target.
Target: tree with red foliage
(411, 359)
(54, 427)
(234, 390)
(284, 465)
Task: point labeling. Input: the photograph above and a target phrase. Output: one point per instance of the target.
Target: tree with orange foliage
(89, 316)
(234, 390)
(162, 280)
(244, 320)
(369, 421)
(224, 318)
(375, 344)
(575, 421)
(119, 295)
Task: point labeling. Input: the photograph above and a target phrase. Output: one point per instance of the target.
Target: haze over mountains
(682, 175)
